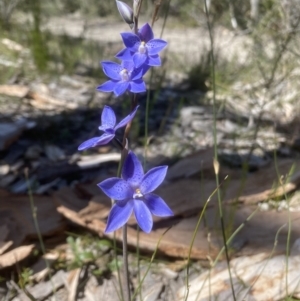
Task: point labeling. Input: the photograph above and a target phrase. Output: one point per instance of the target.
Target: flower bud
(125, 12)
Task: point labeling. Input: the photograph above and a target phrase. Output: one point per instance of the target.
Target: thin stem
(126, 284)
(155, 13)
(192, 242)
(149, 266)
(117, 268)
(216, 148)
(128, 126)
(165, 19)
(227, 243)
(38, 231)
(125, 261)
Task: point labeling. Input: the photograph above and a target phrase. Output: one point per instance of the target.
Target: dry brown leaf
(14, 256)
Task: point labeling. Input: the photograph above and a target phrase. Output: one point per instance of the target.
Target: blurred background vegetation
(271, 25)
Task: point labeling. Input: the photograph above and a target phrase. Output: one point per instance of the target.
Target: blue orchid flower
(108, 126)
(141, 48)
(134, 193)
(123, 77)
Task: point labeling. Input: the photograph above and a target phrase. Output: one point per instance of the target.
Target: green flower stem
(126, 284)
(216, 147)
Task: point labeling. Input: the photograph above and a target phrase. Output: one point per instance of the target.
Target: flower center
(137, 194)
(124, 75)
(142, 48)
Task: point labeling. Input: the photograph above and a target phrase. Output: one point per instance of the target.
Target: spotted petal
(132, 171)
(154, 46)
(118, 216)
(131, 41)
(146, 33)
(128, 65)
(143, 216)
(96, 141)
(116, 189)
(112, 70)
(157, 205)
(126, 119)
(152, 179)
(108, 118)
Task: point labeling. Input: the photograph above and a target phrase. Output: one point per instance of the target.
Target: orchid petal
(107, 86)
(108, 118)
(96, 141)
(154, 60)
(157, 205)
(128, 65)
(131, 41)
(124, 55)
(132, 171)
(126, 119)
(143, 216)
(139, 59)
(138, 73)
(152, 179)
(120, 88)
(116, 189)
(154, 46)
(118, 216)
(137, 86)
(112, 70)
(146, 33)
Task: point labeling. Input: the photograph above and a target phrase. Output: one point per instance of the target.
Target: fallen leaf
(14, 256)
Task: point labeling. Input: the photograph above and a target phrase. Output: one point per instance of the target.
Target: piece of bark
(196, 163)
(16, 214)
